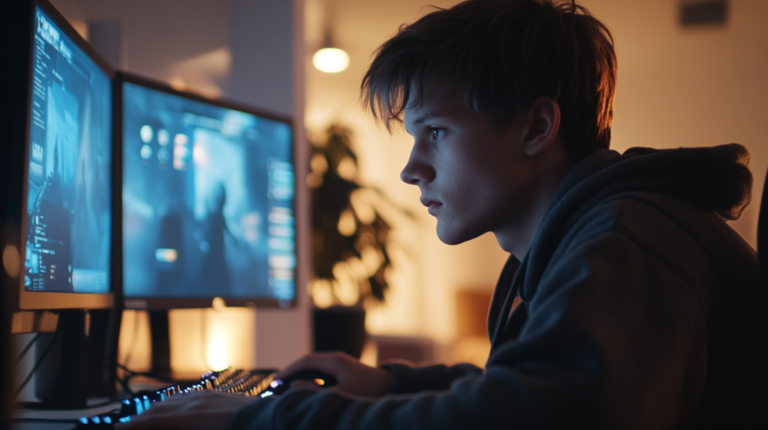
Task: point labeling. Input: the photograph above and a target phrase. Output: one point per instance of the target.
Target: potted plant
(349, 244)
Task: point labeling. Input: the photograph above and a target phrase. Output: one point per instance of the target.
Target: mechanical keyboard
(250, 383)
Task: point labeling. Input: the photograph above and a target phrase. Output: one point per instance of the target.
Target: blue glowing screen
(208, 207)
(69, 170)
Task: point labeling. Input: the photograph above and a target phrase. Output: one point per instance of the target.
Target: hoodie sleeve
(612, 342)
(409, 379)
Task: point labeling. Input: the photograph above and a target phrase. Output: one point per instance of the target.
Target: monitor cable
(26, 348)
(133, 373)
(37, 364)
(129, 374)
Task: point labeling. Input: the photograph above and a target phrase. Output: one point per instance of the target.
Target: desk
(55, 414)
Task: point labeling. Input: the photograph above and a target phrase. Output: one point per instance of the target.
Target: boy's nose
(407, 177)
(417, 171)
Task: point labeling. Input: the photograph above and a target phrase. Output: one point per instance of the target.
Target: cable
(26, 348)
(145, 374)
(131, 373)
(39, 362)
(124, 383)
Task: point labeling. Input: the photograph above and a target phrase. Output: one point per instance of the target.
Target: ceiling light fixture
(329, 58)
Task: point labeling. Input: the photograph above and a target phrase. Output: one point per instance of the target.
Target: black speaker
(61, 378)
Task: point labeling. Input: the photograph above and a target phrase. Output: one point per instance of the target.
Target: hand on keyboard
(201, 410)
(350, 374)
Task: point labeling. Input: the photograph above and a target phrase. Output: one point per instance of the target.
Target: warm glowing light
(372, 259)
(347, 224)
(347, 169)
(370, 353)
(347, 290)
(218, 355)
(11, 261)
(321, 291)
(363, 209)
(177, 83)
(331, 60)
(357, 268)
(218, 304)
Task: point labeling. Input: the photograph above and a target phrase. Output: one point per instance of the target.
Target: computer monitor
(67, 199)
(208, 201)
(58, 199)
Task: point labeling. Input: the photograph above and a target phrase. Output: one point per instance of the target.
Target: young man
(639, 306)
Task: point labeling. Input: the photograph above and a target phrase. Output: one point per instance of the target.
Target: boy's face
(472, 176)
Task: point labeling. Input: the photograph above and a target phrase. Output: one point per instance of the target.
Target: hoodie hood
(717, 179)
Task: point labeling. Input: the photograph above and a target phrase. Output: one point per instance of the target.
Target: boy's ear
(543, 125)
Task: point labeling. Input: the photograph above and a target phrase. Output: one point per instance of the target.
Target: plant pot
(340, 328)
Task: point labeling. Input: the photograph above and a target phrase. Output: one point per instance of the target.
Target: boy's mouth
(426, 202)
(432, 205)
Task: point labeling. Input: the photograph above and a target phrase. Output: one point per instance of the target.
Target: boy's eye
(435, 132)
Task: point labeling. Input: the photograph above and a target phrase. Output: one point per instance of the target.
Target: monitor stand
(159, 330)
(161, 343)
(103, 342)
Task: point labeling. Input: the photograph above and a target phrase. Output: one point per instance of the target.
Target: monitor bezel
(167, 303)
(46, 300)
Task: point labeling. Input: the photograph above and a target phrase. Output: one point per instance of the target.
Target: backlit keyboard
(250, 383)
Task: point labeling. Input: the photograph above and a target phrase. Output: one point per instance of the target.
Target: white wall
(691, 87)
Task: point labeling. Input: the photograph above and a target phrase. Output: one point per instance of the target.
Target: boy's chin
(453, 236)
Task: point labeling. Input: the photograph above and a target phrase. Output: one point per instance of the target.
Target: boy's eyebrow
(425, 117)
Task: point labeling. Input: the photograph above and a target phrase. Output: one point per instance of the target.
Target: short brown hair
(500, 56)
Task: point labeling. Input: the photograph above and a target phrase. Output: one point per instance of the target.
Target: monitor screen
(69, 165)
(208, 201)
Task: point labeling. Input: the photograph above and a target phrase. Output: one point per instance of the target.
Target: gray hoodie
(641, 308)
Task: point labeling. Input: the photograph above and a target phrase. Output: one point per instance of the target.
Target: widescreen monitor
(67, 226)
(208, 201)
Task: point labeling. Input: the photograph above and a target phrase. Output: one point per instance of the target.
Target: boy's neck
(518, 237)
